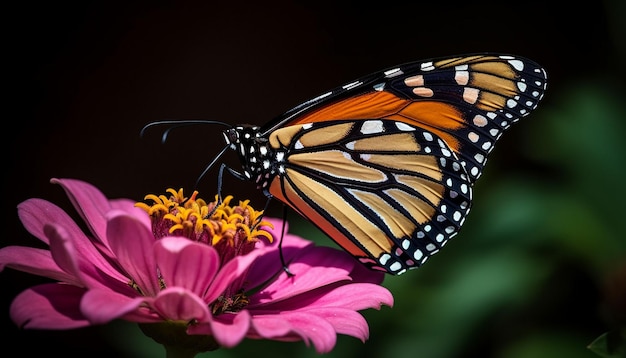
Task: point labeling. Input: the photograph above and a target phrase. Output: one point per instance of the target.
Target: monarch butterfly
(385, 165)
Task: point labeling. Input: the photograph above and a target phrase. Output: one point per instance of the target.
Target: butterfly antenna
(219, 177)
(173, 124)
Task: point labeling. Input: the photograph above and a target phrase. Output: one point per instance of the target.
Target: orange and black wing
(468, 101)
(389, 193)
(385, 165)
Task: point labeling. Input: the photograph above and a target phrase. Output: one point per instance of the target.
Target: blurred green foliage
(611, 344)
(538, 269)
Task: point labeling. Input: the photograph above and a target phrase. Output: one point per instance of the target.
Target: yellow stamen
(194, 218)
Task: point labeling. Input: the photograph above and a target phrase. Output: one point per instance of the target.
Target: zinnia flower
(193, 275)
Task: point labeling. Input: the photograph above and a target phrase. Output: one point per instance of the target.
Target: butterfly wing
(389, 193)
(468, 101)
(385, 165)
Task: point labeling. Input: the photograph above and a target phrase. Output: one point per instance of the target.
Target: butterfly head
(253, 152)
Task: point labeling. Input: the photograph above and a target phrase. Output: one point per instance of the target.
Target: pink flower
(217, 279)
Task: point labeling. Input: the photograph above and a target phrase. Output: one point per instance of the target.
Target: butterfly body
(385, 165)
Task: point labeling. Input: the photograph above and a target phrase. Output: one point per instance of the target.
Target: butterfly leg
(280, 244)
(282, 232)
(236, 174)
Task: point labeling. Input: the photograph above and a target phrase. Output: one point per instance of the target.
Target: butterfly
(385, 164)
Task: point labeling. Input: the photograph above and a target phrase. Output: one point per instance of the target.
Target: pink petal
(179, 304)
(229, 329)
(129, 207)
(102, 306)
(309, 327)
(270, 326)
(36, 213)
(132, 242)
(360, 273)
(49, 306)
(268, 264)
(355, 296)
(233, 270)
(89, 202)
(62, 250)
(179, 260)
(34, 261)
(345, 321)
(82, 261)
(315, 267)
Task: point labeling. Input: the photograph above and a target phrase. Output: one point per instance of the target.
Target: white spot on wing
(470, 95)
(427, 66)
(473, 137)
(517, 64)
(480, 121)
(404, 127)
(461, 77)
(372, 127)
(352, 85)
(511, 103)
(423, 92)
(393, 72)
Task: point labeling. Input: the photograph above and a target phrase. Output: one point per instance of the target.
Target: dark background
(535, 272)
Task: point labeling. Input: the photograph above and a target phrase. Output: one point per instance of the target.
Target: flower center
(234, 303)
(231, 230)
(222, 226)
